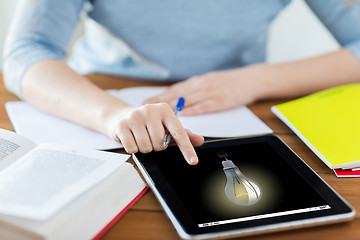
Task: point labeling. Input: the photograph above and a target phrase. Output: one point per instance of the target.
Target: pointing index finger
(182, 139)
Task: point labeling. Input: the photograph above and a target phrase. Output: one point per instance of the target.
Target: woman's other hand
(216, 91)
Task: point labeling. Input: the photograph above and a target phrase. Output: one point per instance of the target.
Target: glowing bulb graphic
(240, 189)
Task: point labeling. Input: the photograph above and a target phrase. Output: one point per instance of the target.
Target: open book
(328, 122)
(53, 191)
(42, 127)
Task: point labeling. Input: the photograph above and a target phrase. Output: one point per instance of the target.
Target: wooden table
(147, 220)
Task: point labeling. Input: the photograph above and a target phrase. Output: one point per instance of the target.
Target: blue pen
(179, 106)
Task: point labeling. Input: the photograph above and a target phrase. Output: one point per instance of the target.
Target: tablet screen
(240, 184)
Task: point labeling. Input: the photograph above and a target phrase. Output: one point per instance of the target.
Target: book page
(237, 122)
(12, 147)
(50, 176)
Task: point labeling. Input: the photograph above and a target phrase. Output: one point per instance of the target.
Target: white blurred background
(295, 34)
(7, 8)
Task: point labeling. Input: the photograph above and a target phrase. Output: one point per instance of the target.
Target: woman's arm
(33, 69)
(216, 91)
(53, 87)
(303, 77)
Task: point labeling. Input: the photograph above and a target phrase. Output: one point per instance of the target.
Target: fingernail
(193, 161)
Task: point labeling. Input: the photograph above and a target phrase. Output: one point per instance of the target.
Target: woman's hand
(142, 129)
(216, 91)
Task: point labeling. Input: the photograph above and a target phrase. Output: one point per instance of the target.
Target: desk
(147, 220)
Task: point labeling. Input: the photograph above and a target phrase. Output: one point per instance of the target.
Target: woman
(213, 50)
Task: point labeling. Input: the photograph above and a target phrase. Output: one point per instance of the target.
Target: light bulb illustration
(239, 189)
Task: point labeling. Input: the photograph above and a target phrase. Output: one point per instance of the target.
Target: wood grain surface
(147, 220)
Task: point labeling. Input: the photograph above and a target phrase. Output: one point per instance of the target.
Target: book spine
(117, 217)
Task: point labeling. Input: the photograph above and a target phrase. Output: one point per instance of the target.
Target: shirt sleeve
(342, 19)
(40, 29)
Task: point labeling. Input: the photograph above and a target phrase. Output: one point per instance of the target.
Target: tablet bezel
(183, 222)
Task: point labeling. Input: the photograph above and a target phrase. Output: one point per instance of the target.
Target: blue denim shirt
(157, 39)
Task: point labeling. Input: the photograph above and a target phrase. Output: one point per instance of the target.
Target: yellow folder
(328, 122)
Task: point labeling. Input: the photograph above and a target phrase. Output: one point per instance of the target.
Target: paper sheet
(42, 127)
(238, 122)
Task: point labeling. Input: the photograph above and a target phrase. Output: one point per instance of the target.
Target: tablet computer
(240, 187)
